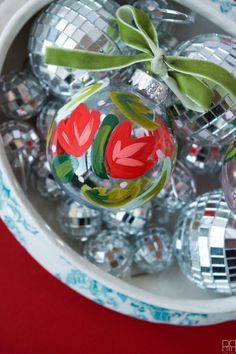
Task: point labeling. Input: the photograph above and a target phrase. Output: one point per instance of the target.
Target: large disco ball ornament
(229, 176)
(109, 147)
(206, 243)
(72, 24)
(21, 96)
(218, 125)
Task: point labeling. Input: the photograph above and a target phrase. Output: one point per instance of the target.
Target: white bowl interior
(170, 286)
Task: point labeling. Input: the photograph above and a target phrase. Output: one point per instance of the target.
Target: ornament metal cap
(149, 86)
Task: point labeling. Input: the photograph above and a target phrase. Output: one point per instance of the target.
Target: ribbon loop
(184, 76)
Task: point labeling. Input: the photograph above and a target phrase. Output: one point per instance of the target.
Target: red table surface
(38, 314)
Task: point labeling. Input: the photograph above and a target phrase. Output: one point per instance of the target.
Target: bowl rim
(209, 306)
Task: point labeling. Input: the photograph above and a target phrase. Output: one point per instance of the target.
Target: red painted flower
(128, 158)
(75, 134)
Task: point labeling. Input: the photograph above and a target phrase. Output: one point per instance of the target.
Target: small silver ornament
(180, 189)
(77, 221)
(130, 222)
(21, 96)
(202, 159)
(22, 146)
(218, 125)
(110, 251)
(205, 242)
(47, 115)
(153, 250)
(72, 24)
(43, 180)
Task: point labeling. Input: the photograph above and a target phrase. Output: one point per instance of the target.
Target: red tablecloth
(39, 315)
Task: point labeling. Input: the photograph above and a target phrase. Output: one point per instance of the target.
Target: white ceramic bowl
(166, 298)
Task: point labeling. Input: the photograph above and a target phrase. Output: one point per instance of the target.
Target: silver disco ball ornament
(206, 244)
(180, 189)
(22, 146)
(153, 250)
(43, 181)
(77, 221)
(46, 116)
(21, 96)
(218, 125)
(110, 251)
(202, 159)
(130, 222)
(72, 24)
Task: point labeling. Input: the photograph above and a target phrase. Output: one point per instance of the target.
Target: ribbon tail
(194, 89)
(92, 61)
(187, 102)
(204, 70)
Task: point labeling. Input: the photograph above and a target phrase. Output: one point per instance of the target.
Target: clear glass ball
(205, 243)
(202, 160)
(153, 250)
(111, 252)
(218, 125)
(130, 222)
(21, 95)
(72, 24)
(110, 147)
(77, 221)
(180, 189)
(229, 177)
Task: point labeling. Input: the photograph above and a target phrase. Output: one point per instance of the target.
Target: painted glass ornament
(46, 116)
(180, 189)
(110, 251)
(218, 124)
(130, 222)
(73, 24)
(229, 177)
(77, 221)
(110, 148)
(202, 159)
(206, 245)
(153, 250)
(22, 146)
(21, 96)
(43, 181)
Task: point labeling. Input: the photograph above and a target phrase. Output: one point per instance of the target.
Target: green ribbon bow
(184, 76)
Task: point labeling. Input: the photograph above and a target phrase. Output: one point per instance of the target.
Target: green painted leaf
(62, 168)
(84, 94)
(100, 143)
(194, 89)
(230, 153)
(132, 107)
(115, 198)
